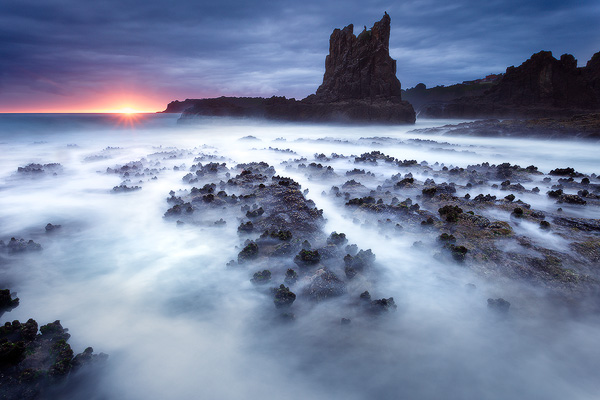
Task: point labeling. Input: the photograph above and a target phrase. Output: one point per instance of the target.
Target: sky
(108, 55)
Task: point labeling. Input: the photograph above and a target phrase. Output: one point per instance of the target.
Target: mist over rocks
(280, 228)
(283, 241)
(147, 275)
(359, 85)
(40, 365)
(38, 170)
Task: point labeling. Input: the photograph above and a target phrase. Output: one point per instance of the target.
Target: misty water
(178, 324)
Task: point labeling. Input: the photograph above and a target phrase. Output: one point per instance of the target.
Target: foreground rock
(32, 364)
(359, 85)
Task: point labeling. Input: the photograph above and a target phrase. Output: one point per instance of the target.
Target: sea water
(178, 324)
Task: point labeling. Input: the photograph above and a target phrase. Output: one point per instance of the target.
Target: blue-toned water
(177, 324)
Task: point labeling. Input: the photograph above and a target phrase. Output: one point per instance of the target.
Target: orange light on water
(128, 117)
(127, 110)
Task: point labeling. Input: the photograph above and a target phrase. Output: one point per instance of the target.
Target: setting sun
(127, 110)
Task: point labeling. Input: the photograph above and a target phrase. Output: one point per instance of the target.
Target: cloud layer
(66, 53)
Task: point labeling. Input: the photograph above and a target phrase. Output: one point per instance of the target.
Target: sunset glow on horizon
(120, 101)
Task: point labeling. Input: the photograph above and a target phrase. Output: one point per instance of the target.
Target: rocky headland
(541, 87)
(359, 85)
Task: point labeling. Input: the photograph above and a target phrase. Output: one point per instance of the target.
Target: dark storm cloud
(198, 48)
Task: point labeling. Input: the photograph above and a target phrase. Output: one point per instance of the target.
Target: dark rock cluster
(31, 363)
(465, 230)
(281, 234)
(15, 245)
(34, 169)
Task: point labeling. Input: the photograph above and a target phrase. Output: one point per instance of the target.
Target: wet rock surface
(280, 230)
(282, 238)
(33, 364)
(466, 227)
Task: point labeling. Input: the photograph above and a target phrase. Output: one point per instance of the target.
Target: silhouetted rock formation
(592, 73)
(359, 67)
(421, 95)
(180, 106)
(541, 86)
(359, 85)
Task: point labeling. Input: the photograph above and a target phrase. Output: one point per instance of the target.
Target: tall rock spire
(360, 67)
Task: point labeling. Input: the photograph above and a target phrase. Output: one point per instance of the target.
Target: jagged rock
(261, 277)
(249, 252)
(337, 239)
(31, 364)
(50, 227)
(571, 199)
(540, 87)
(498, 305)
(359, 67)
(365, 296)
(283, 297)
(7, 303)
(290, 277)
(19, 246)
(382, 305)
(307, 258)
(359, 84)
(325, 284)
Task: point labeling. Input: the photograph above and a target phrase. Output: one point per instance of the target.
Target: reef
(282, 242)
(474, 218)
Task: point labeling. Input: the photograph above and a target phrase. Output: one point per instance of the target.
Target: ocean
(177, 323)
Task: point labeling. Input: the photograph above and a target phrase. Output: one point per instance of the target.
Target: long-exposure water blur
(161, 277)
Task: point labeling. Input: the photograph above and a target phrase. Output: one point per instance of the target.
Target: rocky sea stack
(359, 85)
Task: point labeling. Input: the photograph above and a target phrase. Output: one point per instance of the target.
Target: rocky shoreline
(584, 126)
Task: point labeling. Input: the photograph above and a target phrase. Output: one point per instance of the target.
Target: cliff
(540, 87)
(359, 85)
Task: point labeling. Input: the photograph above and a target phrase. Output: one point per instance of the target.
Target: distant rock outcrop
(359, 85)
(540, 87)
(180, 106)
